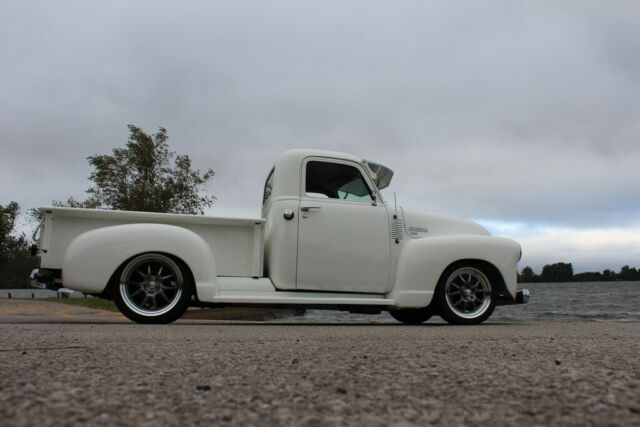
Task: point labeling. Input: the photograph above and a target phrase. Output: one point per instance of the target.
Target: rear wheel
(153, 288)
(465, 295)
(412, 316)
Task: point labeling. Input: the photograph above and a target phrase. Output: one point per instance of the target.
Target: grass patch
(97, 303)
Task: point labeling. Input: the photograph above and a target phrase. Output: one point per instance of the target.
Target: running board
(261, 291)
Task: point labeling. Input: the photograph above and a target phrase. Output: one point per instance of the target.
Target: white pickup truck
(326, 240)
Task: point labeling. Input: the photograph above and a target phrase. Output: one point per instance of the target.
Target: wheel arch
(423, 262)
(94, 258)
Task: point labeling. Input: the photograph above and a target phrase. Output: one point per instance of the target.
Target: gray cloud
(494, 110)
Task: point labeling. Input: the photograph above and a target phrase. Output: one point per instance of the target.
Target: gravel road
(207, 372)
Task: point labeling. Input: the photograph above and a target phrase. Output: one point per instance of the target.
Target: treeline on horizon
(563, 272)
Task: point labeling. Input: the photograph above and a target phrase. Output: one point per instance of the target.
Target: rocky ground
(205, 372)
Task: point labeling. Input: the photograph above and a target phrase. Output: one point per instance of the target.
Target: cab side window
(336, 181)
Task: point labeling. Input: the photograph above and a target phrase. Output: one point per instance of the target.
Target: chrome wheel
(151, 285)
(468, 293)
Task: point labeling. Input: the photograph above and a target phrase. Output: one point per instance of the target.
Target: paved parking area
(99, 369)
(38, 311)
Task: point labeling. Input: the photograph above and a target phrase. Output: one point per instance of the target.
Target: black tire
(465, 294)
(153, 288)
(412, 316)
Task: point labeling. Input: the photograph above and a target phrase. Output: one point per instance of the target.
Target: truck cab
(326, 239)
(337, 211)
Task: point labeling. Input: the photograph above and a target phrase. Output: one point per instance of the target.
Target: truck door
(343, 237)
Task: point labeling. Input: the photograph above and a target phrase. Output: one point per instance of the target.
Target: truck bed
(236, 242)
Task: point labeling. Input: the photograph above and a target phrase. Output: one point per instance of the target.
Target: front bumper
(522, 296)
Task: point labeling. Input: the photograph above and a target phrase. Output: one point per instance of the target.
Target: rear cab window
(268, 186)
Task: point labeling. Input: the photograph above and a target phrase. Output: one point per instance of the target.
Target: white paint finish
(46, 234)
(287, 177)
(281, 243)
(236, 243)
(257, 253)
(150, 217)
(423, 224)
(299, 298)
(281, 236)
(343, 246)
(93, 256)
(245, 284)
(261, 291)
(422, 262)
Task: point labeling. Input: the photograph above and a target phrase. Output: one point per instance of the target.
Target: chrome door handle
(308, 208)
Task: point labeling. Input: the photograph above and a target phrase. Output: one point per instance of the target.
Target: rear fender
(93, 256)
(422, 262)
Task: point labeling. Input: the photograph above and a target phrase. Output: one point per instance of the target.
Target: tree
(558, 272)
(15, 264)
(527, 275)
(627, 273)
(588, 276)
(140, 177)
(8, 216)
(608, 275)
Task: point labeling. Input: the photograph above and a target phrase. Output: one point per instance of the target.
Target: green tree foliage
(8, 216)
(15, 263)
(588, 276)
(563, 272)
(608, 275)
(627, 273)
(558, 272)
(140, 177)
(527, 275)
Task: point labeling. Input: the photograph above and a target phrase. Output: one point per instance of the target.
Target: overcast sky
(522, 116)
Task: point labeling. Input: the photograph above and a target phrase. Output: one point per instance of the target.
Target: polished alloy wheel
(468, 293)
(151, 285)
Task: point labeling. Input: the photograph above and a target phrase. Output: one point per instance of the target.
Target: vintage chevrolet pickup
(326, 240)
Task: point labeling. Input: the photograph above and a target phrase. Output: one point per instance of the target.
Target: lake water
(550, 302)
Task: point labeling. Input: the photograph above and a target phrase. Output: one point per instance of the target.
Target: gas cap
(288, 214)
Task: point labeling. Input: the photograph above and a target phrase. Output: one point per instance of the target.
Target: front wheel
(465, 295)
(153, 288)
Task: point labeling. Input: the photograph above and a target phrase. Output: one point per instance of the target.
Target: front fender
(422, 262)
(93, 256)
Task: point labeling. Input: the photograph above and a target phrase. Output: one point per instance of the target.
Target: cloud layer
(509, 112)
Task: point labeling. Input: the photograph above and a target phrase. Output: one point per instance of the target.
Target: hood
(421, 224)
